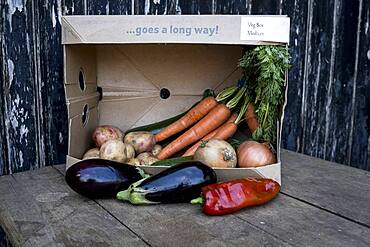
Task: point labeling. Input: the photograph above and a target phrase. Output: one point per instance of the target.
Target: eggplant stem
(198, 200)
(123, 195)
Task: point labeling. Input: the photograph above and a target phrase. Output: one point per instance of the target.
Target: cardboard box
(131, 58)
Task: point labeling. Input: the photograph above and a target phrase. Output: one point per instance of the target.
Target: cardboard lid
(201, 29)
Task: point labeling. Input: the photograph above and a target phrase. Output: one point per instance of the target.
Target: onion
(254, 154)
(216, 153)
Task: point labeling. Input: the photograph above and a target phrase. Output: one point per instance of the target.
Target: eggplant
(98, 178)
(179, 183)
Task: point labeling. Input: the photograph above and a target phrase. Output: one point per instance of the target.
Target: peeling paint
(13, 5)
(59, 11)
(147, 7)
(23, 131)
(107, 8)
(53, 18)
(60, 137)
(21, 161)
(10, 72)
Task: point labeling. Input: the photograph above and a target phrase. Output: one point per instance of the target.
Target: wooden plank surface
(38, 209)
(293, 218)
(340, 189)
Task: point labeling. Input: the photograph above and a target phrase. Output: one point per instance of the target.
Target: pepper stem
(198, 200)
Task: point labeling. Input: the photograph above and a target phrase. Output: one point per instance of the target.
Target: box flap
(206, 29)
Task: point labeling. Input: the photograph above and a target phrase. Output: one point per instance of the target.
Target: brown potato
(129, 151)
(142, 141)
(104, 133)
(133, 161)
(144, 155)
(113, 150)
(147, 161)
(92, 154)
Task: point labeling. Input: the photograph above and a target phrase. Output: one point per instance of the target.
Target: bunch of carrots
(210, 118)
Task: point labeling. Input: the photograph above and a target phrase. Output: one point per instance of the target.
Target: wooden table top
(321, 204)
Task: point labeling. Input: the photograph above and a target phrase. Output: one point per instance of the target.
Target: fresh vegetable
(92, 154)
(254, 154)
(179, 183)
(264, 71)
(194, 148)
(129, 151)
(193, 116)
(173, 161)
(97, 178)
(104, 133)
(217, 116)
(251, 118)
(155, 128)
(223, 132)
(231, 196)
(196, 113)
(144, 155)
(113, 150)
(142, 141)
(156, 149)
(133, 161)
(147, 161)
(216, 153)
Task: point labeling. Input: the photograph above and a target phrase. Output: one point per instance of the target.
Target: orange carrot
(251, 118)
(190, 118)
(211, 135)
(211, 121)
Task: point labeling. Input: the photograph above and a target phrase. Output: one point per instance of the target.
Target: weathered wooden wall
(329, 85)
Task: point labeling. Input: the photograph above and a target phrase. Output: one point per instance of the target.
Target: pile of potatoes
(136, 148)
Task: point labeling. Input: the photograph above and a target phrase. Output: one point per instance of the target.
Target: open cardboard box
(131, 58)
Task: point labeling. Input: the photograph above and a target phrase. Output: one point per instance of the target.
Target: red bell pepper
(231, 196)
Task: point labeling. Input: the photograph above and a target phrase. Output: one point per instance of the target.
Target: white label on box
(265, 29)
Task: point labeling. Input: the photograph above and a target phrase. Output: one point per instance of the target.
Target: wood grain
(287, 219)
(301, 224)
(340, 189)
(55, 215)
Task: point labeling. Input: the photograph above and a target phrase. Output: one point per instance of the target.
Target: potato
(142, 141)
(104, 133)
(156, 149)
(92, 154)
(129, 151)
(113, 150)
(144, 155)
(147, 161)
(133, 161)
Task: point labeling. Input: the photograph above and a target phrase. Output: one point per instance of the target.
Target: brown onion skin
(254, 154)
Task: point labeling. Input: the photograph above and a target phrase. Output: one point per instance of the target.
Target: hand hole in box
(164, 93)
(85, 115)
(81, 80)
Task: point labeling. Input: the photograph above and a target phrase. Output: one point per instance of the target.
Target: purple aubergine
(98, 178)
